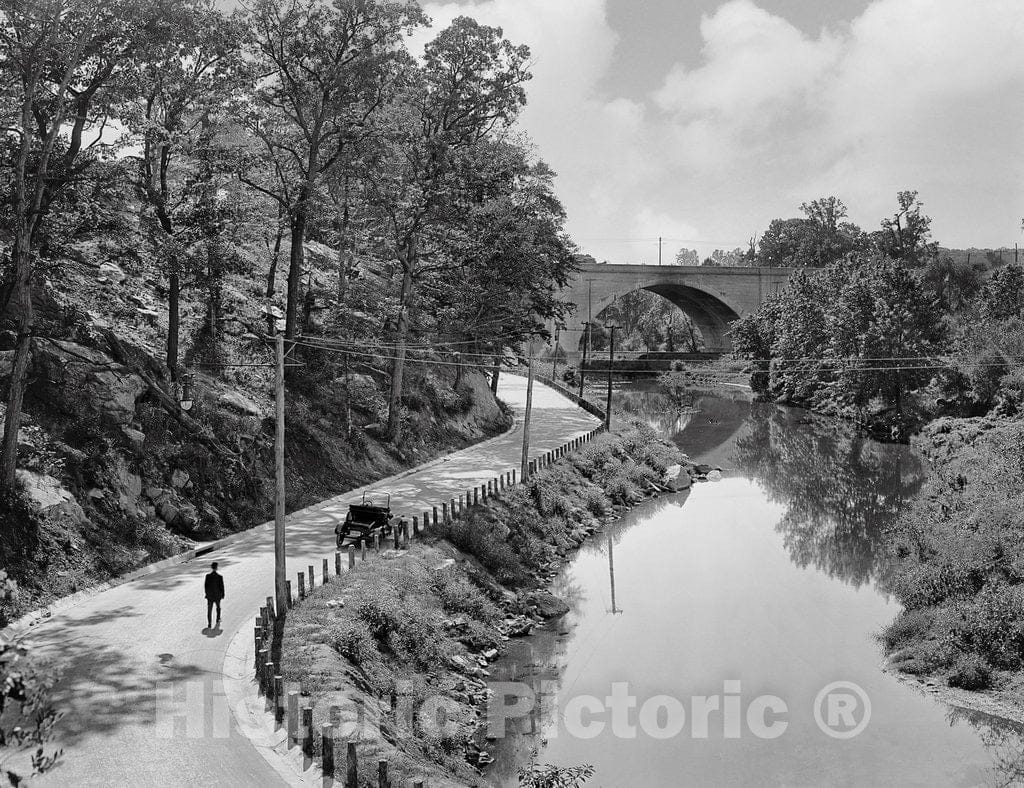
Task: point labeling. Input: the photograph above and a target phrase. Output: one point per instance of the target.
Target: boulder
(71, 377)
(53, 500)
(239, 402)
(136, 438)
(179, 479)
(547, 604)
(112, 272)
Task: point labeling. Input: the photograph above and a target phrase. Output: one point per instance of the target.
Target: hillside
(120, 477)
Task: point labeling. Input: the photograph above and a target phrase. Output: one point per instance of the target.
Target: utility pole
(524, 470)
(659, 250)
(280, 583)
(611, 358)
(586, 347)
(611, 573)
(554, 358)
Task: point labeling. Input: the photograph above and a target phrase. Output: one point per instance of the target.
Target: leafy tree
(687, 257)
(511, 257)
(817, 240)
(185, 80)
(952, 283)
(470, 86)
(907, 235)
(1002, 296)
(322, 72)
(66, 66)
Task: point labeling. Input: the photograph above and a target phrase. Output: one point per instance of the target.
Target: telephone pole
(524, 470)
(554, 358)
(659, 250)
(586, 347)
(280, 584)
(611, 359)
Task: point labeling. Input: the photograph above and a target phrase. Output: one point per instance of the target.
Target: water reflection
(841, 489)
(710, 592)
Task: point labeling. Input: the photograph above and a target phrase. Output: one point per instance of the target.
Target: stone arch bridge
(713, 297)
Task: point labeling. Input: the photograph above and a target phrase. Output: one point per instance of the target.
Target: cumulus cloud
(920, 94)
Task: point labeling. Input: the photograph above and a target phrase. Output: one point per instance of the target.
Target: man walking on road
(214, 594)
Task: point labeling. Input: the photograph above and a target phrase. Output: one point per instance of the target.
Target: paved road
(142, 693)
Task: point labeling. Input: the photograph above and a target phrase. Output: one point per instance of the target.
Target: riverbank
(390, 644)
(957, 570)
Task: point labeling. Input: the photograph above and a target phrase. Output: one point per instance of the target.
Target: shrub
(992, 625)
(971, 672)
(910, 626)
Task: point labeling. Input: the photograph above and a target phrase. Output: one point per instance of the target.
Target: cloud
(921, 94)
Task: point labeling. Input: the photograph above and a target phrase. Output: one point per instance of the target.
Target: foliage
(545, 775)
(27, 715)
(854, 336)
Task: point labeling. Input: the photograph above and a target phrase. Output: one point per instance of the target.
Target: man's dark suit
(214, 594)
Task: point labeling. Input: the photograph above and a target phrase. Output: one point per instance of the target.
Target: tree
(470, 85)
(687, 257)
(184, 83)
(510, 255)
(321, 73)
(907, 235)
(65, 65)
(816, 241)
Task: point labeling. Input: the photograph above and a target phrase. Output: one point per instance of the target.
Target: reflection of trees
(1002, 739)
(842, 489)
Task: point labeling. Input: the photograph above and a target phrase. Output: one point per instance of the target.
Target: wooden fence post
(326, 573)
(327, 750)
(351, 556)
(302, 586)
(415, 525)
(444, 511)
(362, 549)
(435, 516)
(278, 699)
(307, 730)
(337, 562)
(351, 767)
(292, 722)
(312, 578)
(288, 588)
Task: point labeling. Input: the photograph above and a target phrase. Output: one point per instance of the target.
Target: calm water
(773, 577)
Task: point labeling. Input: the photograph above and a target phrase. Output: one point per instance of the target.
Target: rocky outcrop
(74, 378)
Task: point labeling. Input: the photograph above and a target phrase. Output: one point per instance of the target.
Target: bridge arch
(713, 297)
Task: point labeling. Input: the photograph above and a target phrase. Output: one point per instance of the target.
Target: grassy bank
(959, 560)
(422, 624)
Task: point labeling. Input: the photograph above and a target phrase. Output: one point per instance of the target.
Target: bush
(910, 626)
(992, 625)
(971, 673)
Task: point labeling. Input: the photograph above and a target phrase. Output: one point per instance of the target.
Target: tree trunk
(494, 375)
(21, 299)
(295, 260)
(173, 323)
(398, 364)
(344, 246)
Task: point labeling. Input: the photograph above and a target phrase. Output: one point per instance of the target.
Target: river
(735, 606)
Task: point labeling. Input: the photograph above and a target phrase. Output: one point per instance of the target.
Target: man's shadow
(212, 632)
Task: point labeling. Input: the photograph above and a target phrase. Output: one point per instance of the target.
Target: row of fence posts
(297, 715)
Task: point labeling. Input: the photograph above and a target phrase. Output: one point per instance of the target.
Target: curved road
(142, 690)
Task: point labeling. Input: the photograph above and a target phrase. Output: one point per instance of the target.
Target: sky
(702, 120)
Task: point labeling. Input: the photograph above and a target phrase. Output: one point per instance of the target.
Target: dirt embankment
(387, 645)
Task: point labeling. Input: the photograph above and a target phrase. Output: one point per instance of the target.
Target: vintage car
(370, 516)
